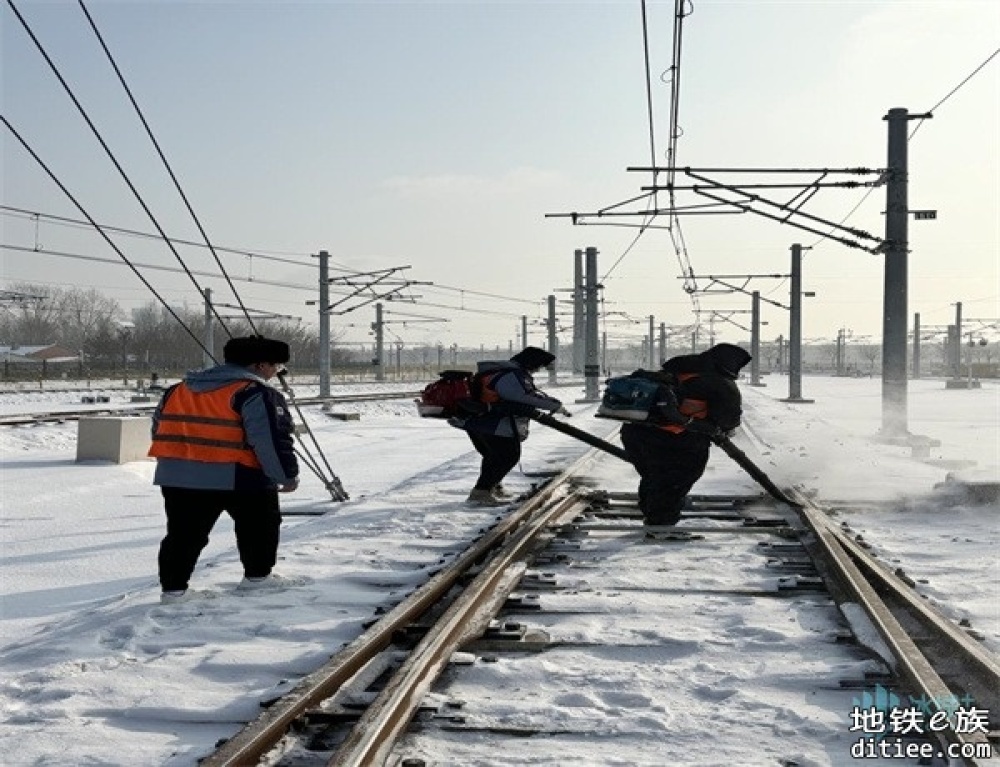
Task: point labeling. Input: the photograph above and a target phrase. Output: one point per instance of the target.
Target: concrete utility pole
(916, 345)
(324, 324)
(795, 330)
(663, 343)
(592, 365)
(553, 340)
(379, 350)
(524, 331)
(579, 352)
(208, 356)
(895, 314)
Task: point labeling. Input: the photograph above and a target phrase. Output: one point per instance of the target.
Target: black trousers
(191, 515)
(668, 466)
(500, 455)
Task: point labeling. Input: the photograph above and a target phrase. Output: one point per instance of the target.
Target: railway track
(540, 589)
(143, 409)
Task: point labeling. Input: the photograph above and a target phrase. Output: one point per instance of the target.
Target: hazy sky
(438, 135)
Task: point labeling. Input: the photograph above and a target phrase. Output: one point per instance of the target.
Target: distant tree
(872, 353)
(150, 339)
(68, 317)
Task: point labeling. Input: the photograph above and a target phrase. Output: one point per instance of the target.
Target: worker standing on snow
(223, 441)
(670, 457)
(497, 433)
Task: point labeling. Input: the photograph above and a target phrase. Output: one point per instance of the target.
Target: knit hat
(250, 349)
(533, 358)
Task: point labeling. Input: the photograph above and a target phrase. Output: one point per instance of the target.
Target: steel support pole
(208, 339)
(795, 327)
(324, 324)
(840, 351)
(379, 342)
(916, 345)
(895, 316)
(795, 330)
(755, 339)
(592, 365)
(651, 347)
(578, 313)
(553, 340)
(956, 349)
(663, 343)
(604, 353)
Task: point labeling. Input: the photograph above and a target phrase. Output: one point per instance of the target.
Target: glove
(289, 487)
(698, 426)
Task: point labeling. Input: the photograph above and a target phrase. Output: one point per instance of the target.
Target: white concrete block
(113, 438)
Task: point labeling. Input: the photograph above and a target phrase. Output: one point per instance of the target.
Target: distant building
(34, 359)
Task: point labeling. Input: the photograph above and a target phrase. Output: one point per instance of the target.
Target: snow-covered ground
(96, 671)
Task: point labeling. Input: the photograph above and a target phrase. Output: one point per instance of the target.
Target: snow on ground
(96, 669)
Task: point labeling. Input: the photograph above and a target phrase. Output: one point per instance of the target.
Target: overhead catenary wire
(256, 281)
(674, 222)
(651, 199)
(250, 253)
(97, 226)
(955, 90)
(332, 482)
(68, 221)
(108, 152)
(166, 165)
(916, 127)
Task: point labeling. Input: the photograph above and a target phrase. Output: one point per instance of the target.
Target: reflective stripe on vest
(203, 426)
(692, 408)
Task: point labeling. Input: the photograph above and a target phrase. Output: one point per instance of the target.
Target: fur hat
(250, 349)
(727, 359)
(533, 358)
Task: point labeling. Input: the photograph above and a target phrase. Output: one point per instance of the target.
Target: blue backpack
(634, 397)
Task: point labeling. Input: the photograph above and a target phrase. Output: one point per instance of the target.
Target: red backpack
(443, 398)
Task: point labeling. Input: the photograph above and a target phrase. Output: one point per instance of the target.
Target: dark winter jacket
(512, 385)
(267, 425)
(713, 381)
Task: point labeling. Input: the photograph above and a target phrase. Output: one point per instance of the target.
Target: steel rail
(260, 735)
(844, 567)
(73, 415)
(374, 736)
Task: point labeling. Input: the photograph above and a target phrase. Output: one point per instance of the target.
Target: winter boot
(272, 582)
(498, 492)
(484, 498)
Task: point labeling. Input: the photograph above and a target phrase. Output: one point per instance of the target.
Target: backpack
(454, 393)
(637, 396)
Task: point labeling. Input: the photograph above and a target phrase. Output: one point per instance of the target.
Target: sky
(440, 136)
(97, 671)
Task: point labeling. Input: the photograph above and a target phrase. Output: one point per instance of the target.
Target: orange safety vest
(692, 408)
(203, 426)
(486, 394)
